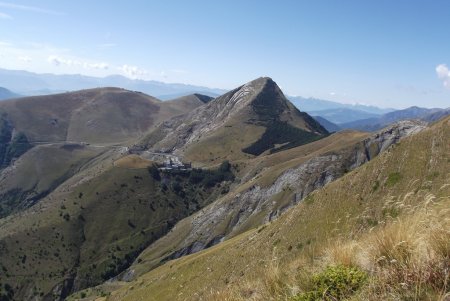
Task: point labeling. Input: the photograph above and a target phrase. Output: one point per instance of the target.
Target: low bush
(393, 178)
(334, 283)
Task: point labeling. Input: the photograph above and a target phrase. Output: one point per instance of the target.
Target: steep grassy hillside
(38, 172)
(256, 264)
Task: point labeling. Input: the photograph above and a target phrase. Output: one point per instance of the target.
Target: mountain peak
(262, 80)
(261, 94)
(258, 107)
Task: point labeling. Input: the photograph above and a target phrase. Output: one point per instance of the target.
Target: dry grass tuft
(393, 244)
(409, 258)
(343, 253)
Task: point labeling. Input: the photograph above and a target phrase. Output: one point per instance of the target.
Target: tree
(154, 172)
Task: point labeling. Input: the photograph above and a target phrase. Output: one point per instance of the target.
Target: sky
(386, 53)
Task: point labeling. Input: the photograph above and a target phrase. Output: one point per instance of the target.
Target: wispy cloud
(443, 74)
(29, 8)
(5, 16)
(103, 66)
(58, 61)
(134, 72)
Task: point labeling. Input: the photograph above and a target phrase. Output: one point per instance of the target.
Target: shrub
(154, 172)
(225, 166)
(177, 188)
(131, 224)
(334, 283)
(196, 176)
(393, 178)
(375, 186)
(309, 199)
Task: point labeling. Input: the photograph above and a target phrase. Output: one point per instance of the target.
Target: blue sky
(386, 53)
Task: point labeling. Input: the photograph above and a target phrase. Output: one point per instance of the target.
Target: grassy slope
(65, 237)
(403, 177)
(224, 144)
(103, 115)
(133, 162)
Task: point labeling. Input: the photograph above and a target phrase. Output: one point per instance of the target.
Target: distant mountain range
(7, 94)
(328, 125)
(343, 115)
(313, 104)
(332, 115)
(30, 84)
(376, 123)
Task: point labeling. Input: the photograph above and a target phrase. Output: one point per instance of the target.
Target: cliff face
(258, 204)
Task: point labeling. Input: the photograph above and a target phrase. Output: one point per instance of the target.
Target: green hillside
(84, 236)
